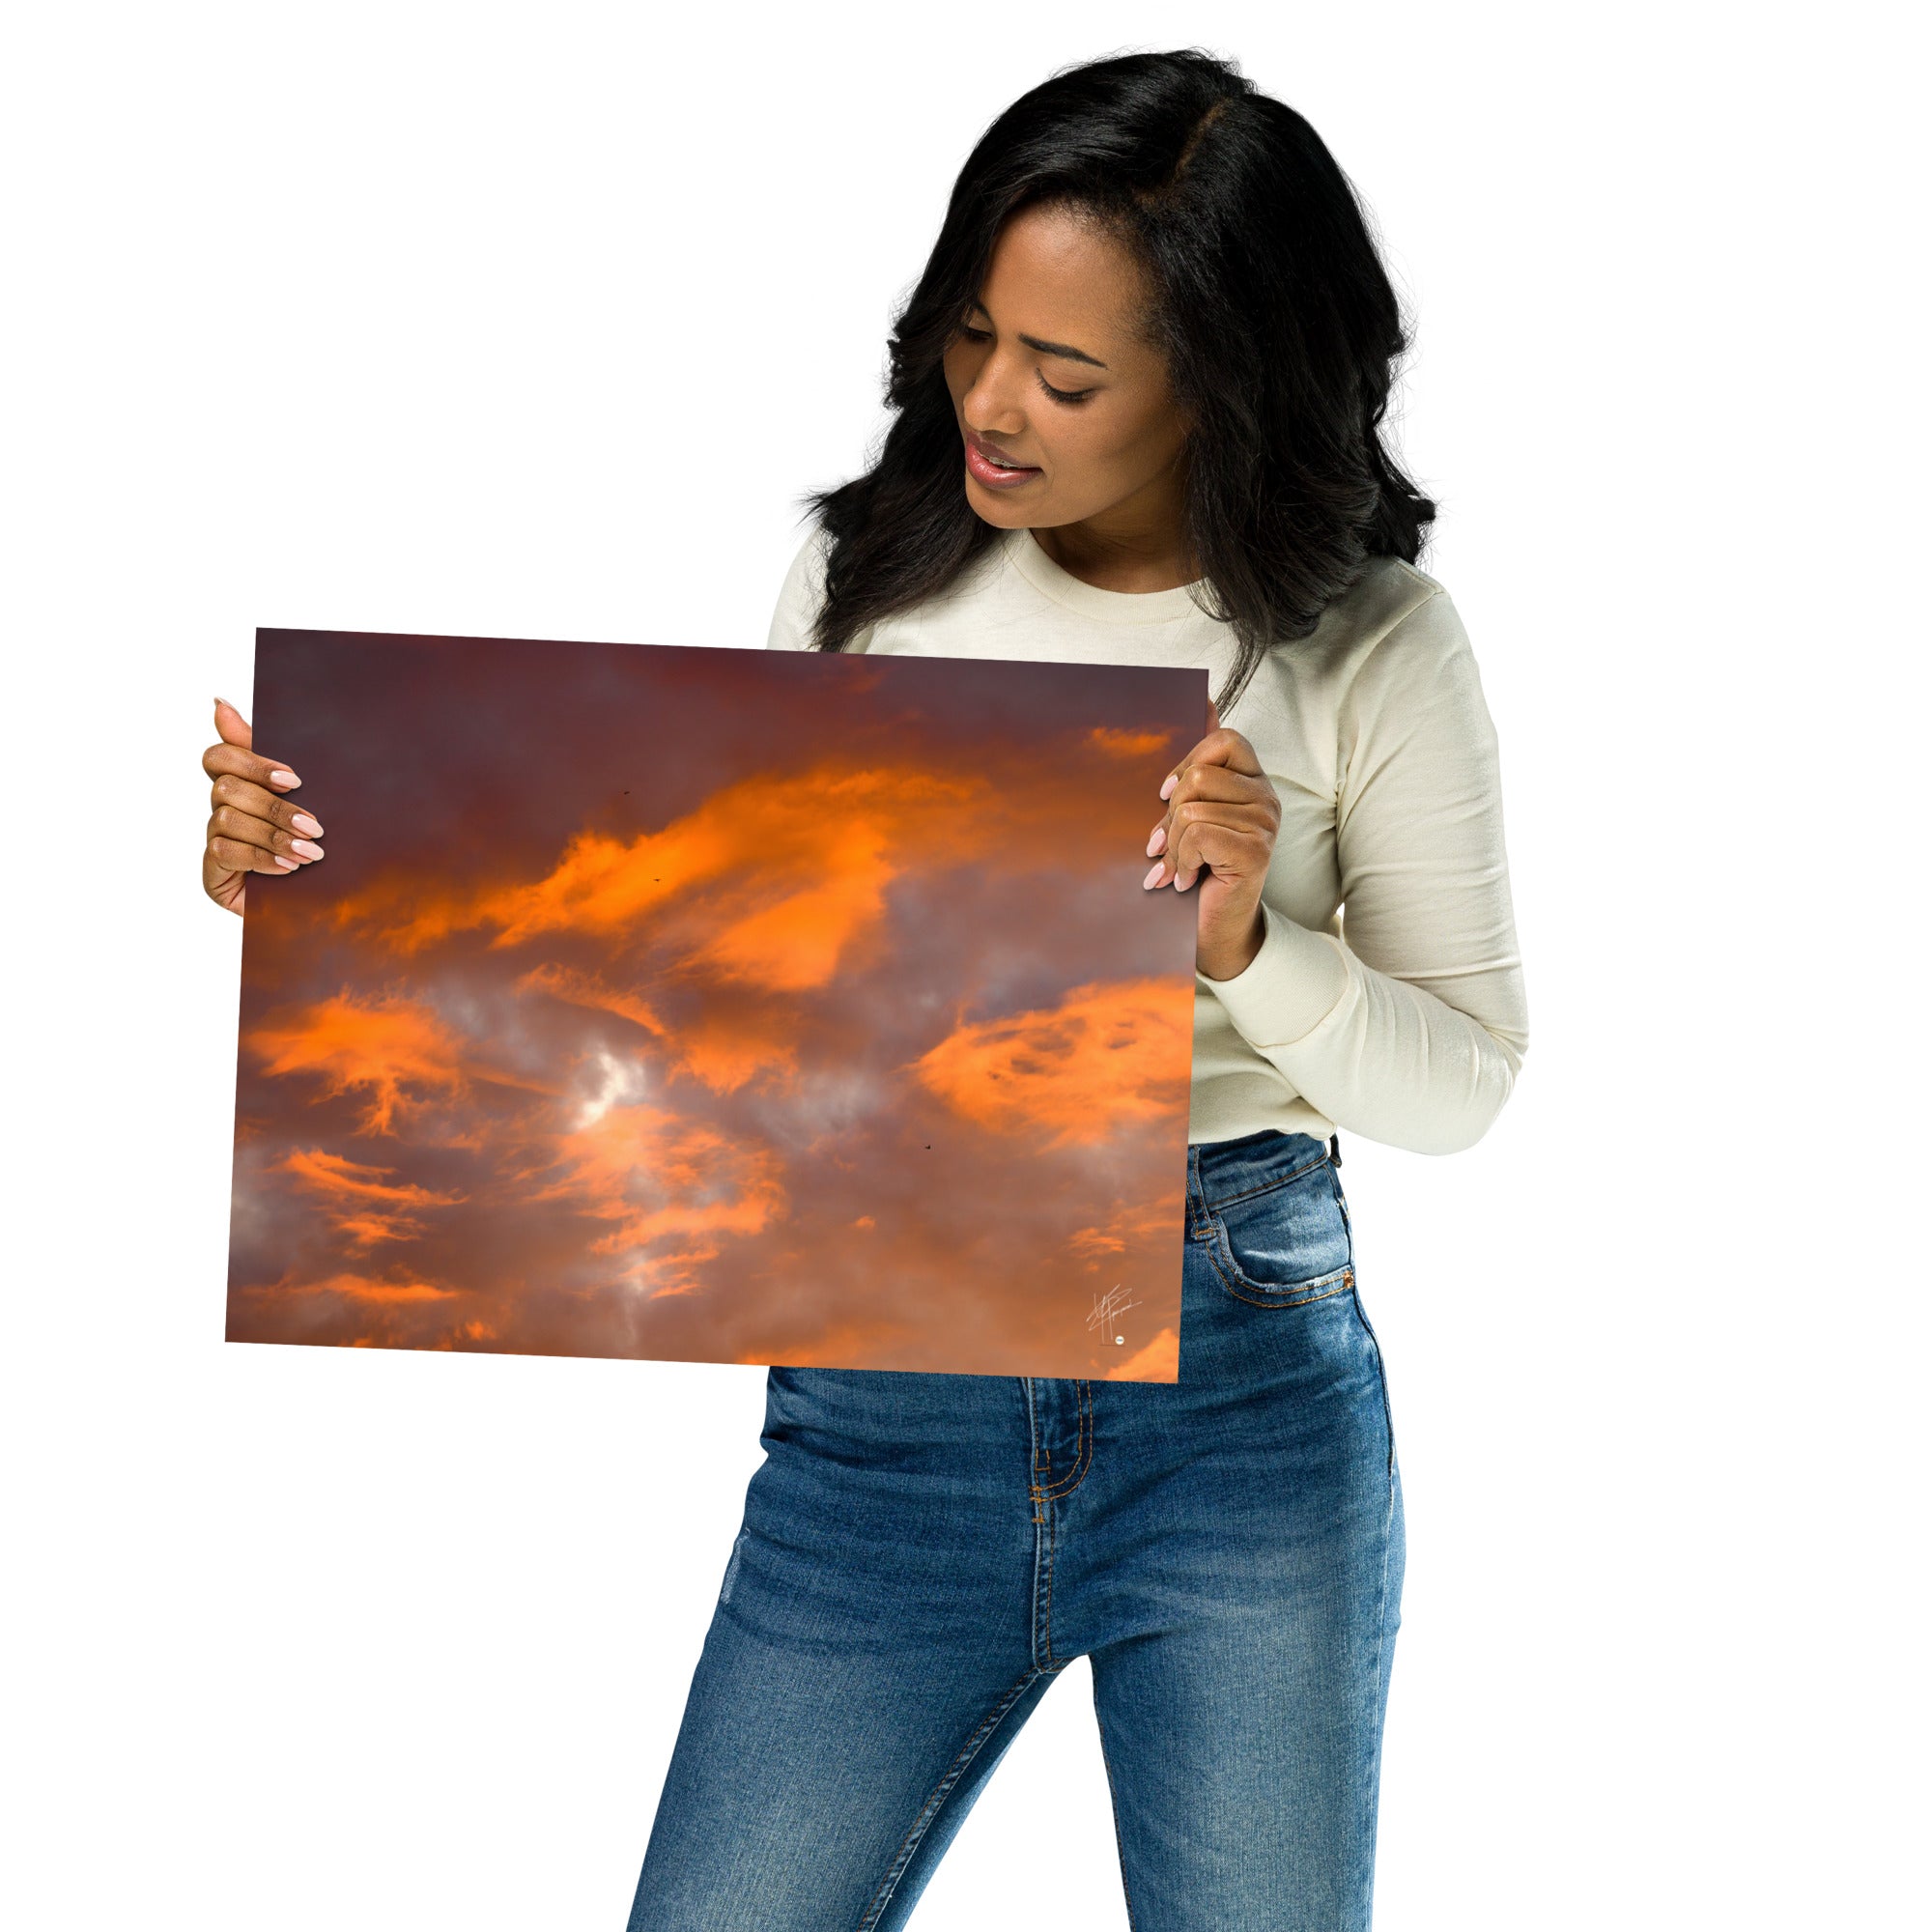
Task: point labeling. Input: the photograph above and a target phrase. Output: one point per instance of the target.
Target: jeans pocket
(1286, 1241)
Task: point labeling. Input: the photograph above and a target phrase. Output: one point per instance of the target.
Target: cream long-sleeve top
(1387, 997)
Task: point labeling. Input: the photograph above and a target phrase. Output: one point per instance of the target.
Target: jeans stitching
(1041, 1496)
(1043, 1607)
(1083, 1454)
(1382, 1383)
(1040, 1608)
(1290, 1295)
(968, 1751)
(1280, 1181)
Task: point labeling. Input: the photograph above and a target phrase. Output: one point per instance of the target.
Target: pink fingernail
(1173, 780)
(307, 847)
(303, 822)
(283, 779)
(1158, 839)
(288, 864)
(1159, 867)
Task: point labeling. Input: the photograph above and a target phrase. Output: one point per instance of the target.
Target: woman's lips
(996, 475)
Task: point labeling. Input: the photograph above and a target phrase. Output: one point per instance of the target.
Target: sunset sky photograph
(717, 1005)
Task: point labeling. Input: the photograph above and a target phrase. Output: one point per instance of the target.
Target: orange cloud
(363, 1201)
(334, 1174)
(789, 868)
(721, 1051)
(1107, 1055)
(603, 884)
(807, 856)
(667, 1183)
(386, 1047)
(358, 1287)
(1112, 743)
(834, 1344)
(796, 944)
(1089, 1242)
(1131, 1225)
(725, 1054)
(586, 989)
(1158, 1362)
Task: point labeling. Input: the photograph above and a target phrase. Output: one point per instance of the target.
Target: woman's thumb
(232, 727)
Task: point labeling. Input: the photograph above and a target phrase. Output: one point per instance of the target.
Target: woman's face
(1054, 314)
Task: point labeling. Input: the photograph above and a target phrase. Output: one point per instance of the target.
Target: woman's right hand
(252, 827)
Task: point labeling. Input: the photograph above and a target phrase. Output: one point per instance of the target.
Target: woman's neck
(1131, 560)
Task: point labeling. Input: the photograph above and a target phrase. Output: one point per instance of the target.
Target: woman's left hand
(1222, 816)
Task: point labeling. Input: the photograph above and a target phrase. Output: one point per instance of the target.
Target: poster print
(717, 1005)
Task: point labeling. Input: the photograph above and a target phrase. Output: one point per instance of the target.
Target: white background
(536, 322)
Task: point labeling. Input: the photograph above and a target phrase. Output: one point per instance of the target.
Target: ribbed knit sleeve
(1411, 1026)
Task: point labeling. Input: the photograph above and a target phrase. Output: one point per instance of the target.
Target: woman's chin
(996, 506)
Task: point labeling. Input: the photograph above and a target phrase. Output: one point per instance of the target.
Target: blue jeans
(922, 1554)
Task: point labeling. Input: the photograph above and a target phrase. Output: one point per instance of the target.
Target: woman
(1137, 399)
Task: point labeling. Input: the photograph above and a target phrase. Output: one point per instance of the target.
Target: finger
(1235, 847)
(1221, 792)
(1218, 781)
(234, 855)
(1208, 846)
(231, 728)
(260, 803)
(1220, 747)
(238, 762)
(230, 824)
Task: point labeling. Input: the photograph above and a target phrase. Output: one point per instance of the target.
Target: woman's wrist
(1226, 961)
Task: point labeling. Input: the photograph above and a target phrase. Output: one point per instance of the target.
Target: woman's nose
(989, 405)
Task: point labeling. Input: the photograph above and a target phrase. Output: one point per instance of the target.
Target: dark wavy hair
(1269, 302)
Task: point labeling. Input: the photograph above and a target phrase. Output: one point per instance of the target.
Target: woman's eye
(1059, 395)
(1064, 395)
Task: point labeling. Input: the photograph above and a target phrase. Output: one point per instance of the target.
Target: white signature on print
(1108, 1308)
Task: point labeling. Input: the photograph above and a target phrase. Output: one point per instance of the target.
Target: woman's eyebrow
(1071, 354)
